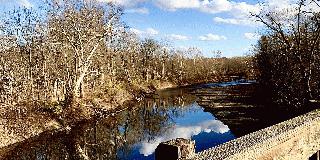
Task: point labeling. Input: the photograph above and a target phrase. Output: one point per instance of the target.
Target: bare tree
(292, 44)
(80, 29)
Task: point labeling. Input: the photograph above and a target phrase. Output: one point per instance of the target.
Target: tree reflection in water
(114, 137)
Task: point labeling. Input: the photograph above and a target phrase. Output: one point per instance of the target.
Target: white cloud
(209, 6)
(239, 12)
(136, 31)
(25, 3)
(177, 37)
(124, 3)
(276, 5)
(212, 37)
(148, 147)
(177, 4)
(215, 6)
(243, 9)
(251, 36)
(237, 21)
(147, 33)
(151, 31)
(142, 10)
(226, 20)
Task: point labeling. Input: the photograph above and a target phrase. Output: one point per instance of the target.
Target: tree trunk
(77, 87)
(163, 70)
(55, 91)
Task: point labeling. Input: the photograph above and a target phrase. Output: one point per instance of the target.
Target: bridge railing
(297, 138)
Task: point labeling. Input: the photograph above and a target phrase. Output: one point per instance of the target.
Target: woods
(71, 51)
(287, 55)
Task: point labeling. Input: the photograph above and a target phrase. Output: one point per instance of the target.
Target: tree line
(70, 50)
(287, 55)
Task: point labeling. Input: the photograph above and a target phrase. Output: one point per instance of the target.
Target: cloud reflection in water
(177, 131)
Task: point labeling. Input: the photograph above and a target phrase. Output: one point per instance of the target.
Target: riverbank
(117, 134)
(22, 121)
(19, 122)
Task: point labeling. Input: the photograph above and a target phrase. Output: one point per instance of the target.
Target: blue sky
(192, 27)
(209, 25)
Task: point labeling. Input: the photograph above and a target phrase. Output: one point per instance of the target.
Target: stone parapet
(297, 138)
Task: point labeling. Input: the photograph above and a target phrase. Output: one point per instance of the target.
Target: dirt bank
(20, 122)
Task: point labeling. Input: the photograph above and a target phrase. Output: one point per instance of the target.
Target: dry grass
(18, 123)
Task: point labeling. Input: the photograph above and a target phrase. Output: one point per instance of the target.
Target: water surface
(135, 132)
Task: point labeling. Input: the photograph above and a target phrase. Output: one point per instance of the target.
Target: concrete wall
(298, 138)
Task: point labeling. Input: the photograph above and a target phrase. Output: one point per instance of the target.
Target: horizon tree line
(71, 50)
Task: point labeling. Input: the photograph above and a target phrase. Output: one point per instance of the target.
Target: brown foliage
(81, 50)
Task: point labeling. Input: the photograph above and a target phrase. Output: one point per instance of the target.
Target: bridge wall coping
(297, 138)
